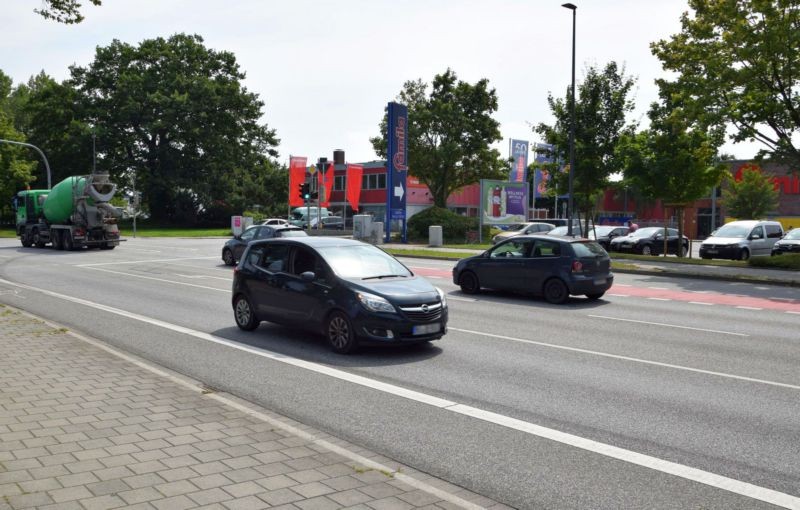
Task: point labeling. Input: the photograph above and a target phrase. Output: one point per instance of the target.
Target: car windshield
(588, 249)
(515, 227)
(363, 261)
(559, 231)
(793, 234)
(647, 232)
(290, 233)
(732, 231)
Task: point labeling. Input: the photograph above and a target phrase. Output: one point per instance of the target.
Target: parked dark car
(233, 248)
(551, 266)
(650, 241)
(603, 234)
(789, 243)
(351, 292)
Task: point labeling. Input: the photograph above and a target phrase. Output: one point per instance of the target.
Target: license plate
(425, 329)
(600, 281)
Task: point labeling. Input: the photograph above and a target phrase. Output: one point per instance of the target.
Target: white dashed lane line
(700, 303)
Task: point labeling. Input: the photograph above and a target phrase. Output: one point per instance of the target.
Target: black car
(233, 248)
(351, 292)
(789, 243)
(551, 266)
(650, 241)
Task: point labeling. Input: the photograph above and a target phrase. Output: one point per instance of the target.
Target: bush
(785, 261)
(454, 226)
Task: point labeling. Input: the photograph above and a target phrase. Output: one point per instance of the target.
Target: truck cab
(28, 205)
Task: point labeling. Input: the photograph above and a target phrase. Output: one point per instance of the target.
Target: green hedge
(785, 261)
(454, 226)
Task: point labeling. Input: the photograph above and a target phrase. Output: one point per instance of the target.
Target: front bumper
(396, 328)
(730, 251)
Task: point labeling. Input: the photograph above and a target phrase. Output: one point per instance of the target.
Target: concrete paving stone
(291, 442)
(150, 466)
(149, 455)
(362, 506)
(70, 494)
(213, 455)
(418, 498)
(67, 505)
(313, 489)
(77, 479)
(54, 422)
(122, 449)
(243, 475)
(371, 476)
(95, 443)
(209, 496)
(183, 431)
(48, 471)
(239, 450)
(144, 480)
(215, 425)
(102, 502)
(113, 473)
(107, 487)
(318, 503)
(268, 446)
(158, 421)
(298, 452)
(174, 503)
(150, 435)
(209, 468)
(183, 460)
(341, 483)
(210, 481)
(212, 506)
(307, 476)
(349, 497)
(34, 500)
(64, 448)
(176, 488)
(380, 490)
(244, 489)
(4, 456)
(246, 503)
(16, 436)
(127, 438)
(99, 434)
(329, 458)
(39, 441)
(280, 496)
(236, 439)
(210, 435)
(15, 465)
(276, 482)
(40, 485)
(241, 462)
(446, 505)
(109, 424)
(6, 446)
(390, 503)
(303, 463)
(177, 451)
(15, 476)
(215, 444)
(339, 469)
(73, 437)
(270, 457)
(117, 460)
(181, 473)
(274, 468)
(12, 489)
(181, 440)
(94, 453)
(142, 495)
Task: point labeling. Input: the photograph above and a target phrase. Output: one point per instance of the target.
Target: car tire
(744, 254)
(468, 281)
(227, 257)
(555, 291)
(595, 296)
(647, 250)
(243, 314)
(683, 251)
(340, 333)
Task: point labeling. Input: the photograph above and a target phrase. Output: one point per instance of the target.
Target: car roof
(566, 239)
(313, 241)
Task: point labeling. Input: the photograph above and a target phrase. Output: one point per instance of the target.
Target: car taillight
(577, 267)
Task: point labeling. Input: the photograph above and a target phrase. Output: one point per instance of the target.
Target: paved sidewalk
(85, 427)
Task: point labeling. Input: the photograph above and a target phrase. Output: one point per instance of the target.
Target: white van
(740, 240)
(301, 216)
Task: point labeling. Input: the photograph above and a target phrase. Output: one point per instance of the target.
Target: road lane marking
(659, 299)
(199, 276)
(639, 459)
(791, 311)
(141, 261)
(156, 279)
(700, 303)
(619, 295)
(668, 325)
(466, 300)
(749, 308)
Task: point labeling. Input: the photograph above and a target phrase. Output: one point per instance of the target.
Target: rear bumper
(581, 285)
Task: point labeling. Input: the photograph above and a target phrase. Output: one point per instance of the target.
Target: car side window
(254, 256)
(516, 249)
(774, 232)
(265, 233)
(758, 231)
(276, 258)
(248, 234)
(546, 249)
(302, 261)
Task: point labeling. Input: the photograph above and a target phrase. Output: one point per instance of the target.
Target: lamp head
(569, 6)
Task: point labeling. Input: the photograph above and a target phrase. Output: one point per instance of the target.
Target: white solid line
(792, 311)
(156, 279)
(619, 295)
(455, 298)
(700, 303)
(748, 308)
(667, 325)
(689, 473)
(658, 288)
(141, 261)
(659, 299)
(782, 299)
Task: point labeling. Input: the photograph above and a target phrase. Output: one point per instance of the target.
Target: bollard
(434, 235)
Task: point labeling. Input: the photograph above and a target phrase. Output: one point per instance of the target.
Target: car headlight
(375, 303)
(442, 296)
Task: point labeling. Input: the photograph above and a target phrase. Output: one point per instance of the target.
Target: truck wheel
(37, 239)
(66, 239)
(25, 240)
(57, 240)
(106, 246)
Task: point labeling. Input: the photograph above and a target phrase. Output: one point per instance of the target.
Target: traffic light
(304, 191)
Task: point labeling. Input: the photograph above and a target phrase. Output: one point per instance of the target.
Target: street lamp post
(574, 9)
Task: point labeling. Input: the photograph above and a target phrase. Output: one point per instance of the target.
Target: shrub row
(785, 261)
(454, 226)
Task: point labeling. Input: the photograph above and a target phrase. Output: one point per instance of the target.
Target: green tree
(752, 197)
(449, 135)
(738, 64)
(174, 114)
(63, 11)
(15, 163)
(674, 160)
(600, 108)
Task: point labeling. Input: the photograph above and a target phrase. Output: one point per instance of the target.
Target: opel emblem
(424, 308)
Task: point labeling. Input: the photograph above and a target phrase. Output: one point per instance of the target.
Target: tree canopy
(16, 163)
(63, 11)
(752, 197)
(175, 115)
(450, 133)
(738, 64)
(602, 102)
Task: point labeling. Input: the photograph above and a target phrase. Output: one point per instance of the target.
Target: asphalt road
(667, 393)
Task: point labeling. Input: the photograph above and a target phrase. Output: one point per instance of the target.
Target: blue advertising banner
(396, 167)
(518, 149)
(545, 153)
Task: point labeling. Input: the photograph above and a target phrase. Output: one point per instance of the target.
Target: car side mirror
(755, 236)
(307, 276)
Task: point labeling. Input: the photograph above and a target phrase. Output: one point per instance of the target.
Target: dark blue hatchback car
(351, 292)
(554, 267)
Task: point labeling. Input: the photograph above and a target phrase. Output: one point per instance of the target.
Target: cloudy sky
(326, 69)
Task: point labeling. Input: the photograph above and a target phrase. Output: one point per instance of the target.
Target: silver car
(523, 229)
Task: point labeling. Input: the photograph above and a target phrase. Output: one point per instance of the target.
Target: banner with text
(518, 149)
(503, 203)
(396, 167)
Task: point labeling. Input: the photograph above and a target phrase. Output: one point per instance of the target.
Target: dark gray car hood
(399, 290)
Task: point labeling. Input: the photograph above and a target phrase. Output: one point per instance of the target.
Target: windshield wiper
(385, 276)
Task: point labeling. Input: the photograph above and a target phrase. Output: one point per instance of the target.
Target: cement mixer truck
(72, 215)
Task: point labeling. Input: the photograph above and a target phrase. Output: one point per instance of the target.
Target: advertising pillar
(396, 168)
